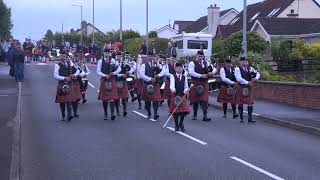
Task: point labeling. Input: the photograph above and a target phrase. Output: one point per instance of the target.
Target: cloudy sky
(33, 17)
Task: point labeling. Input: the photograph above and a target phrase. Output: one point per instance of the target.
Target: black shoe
(235, 116)
(206, 119)
(63, 119)
(194, 118)
(105, 118)
(224, 116)
(182, 129)
(241, 121)
(156, 117)
(139, 107)
(84, 101)
(76, 116)
(125, 114)
(113, 118)
(176, 128)
(70, 118)
(149, 115)
(134, 99)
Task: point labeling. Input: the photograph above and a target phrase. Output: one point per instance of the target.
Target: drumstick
(176, 108)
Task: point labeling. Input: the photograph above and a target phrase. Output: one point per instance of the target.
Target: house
(271, 9)
(288, 28)
(88, 28)
(205, 24)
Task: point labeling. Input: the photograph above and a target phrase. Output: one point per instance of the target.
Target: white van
(188, 44)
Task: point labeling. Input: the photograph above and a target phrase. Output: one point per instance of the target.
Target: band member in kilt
(246, 77)
(170, 70)
(67, 94)
(131, 83)
(122, 86)
(150, 74)
(139, 82)
(107, 70)
(179, 89)
(200, 71)
(84, 72)
(227, 89)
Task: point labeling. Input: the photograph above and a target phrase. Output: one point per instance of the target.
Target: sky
(32, 18)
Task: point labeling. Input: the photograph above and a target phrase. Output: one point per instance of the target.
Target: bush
(133, 45)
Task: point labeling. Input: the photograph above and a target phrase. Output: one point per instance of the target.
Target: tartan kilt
(45, 54)
(240, 99)
(83, 87)
(167, 92)
(105, 95)
(194, 97)
(123, 93)
(73, 96)
(156, 96)
(138, 86)
(223, 97)
(29, 53)
(183, 108)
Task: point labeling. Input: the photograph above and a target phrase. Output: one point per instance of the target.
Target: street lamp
(244, 31)
(147, 30)
(80, 6)
(93, 21)
(121, 21)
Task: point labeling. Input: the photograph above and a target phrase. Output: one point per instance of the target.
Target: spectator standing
(18, 59)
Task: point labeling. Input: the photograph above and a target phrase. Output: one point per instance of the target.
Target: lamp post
(120, 20)
(80, 6)
(93, 21)
(147, 30)
(244, 31)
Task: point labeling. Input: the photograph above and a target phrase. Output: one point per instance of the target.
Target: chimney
(213, 19)
(83, 26)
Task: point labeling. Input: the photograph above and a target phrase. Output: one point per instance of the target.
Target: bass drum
(213, 85)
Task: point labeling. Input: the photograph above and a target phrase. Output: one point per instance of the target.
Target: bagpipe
(66, 85)
(108, 82)
(159, 80)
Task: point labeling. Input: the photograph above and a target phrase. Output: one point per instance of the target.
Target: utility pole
(121, 21)
(80, 6)
(93, 21)
(244, 31)
(147, 30)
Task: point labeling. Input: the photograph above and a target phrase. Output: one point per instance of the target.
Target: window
(273, 12)
(255, 16)
(179, 44)
(193, 44)
(234, 21)
(292, 11)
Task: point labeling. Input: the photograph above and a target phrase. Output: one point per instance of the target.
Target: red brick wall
(297, 94)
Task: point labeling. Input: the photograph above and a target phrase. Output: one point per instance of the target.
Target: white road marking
(145, 116)
(257, 168)
(3, 95)
(91, 85)
(188, 136)
(41, 64)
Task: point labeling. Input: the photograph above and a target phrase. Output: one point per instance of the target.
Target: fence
(294, 65)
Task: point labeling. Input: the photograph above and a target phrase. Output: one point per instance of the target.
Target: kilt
(194, 97)
(167, 92)
(138, 86)
(156, 96)
(73, 96)
(223, 97)
(123, 93)
(83, 87)
(240, 99)
(184, 108)
(105, 95)
(29, 53)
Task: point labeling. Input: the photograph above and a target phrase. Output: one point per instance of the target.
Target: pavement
(139, 148)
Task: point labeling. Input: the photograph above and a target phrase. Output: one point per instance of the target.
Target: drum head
(129, 79)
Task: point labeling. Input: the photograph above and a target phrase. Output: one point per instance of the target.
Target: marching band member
(179, 89)
(122, 85)
(200, 71)
(226, 94)
(107, 70)
(246, 77)
(139, 82)
(150, 73)
(170, 70)
(67, 94)
(131, 83)
(84, 72)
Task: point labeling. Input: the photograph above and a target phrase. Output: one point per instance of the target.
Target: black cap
(174, 55)
(63, 52)
(179, 65)
(227, 60)
(200, 53)
(150, 53)
(243, 59)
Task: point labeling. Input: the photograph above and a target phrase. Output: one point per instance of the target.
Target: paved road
(135, 148)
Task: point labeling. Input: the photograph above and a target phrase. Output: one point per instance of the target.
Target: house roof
(96, 29)
(225, 31)
(167, 27)
(289, 26)
(201, 23)
(183, 24)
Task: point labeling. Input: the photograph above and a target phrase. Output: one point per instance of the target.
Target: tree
(5, 21)
(153, 34)
(49, 36)
(233, 44)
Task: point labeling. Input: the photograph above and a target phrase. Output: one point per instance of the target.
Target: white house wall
(228, 18)
(262, 33)
(307, 9)
(166, 33)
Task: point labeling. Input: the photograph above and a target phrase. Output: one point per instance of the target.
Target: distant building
(87, 29)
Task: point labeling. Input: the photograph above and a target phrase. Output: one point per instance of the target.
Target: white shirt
(146, 78)
(99, 65)
(239, 78)
(172, 83)
(57, 68)
(192, 71)
(83, 73)
(224, 78)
